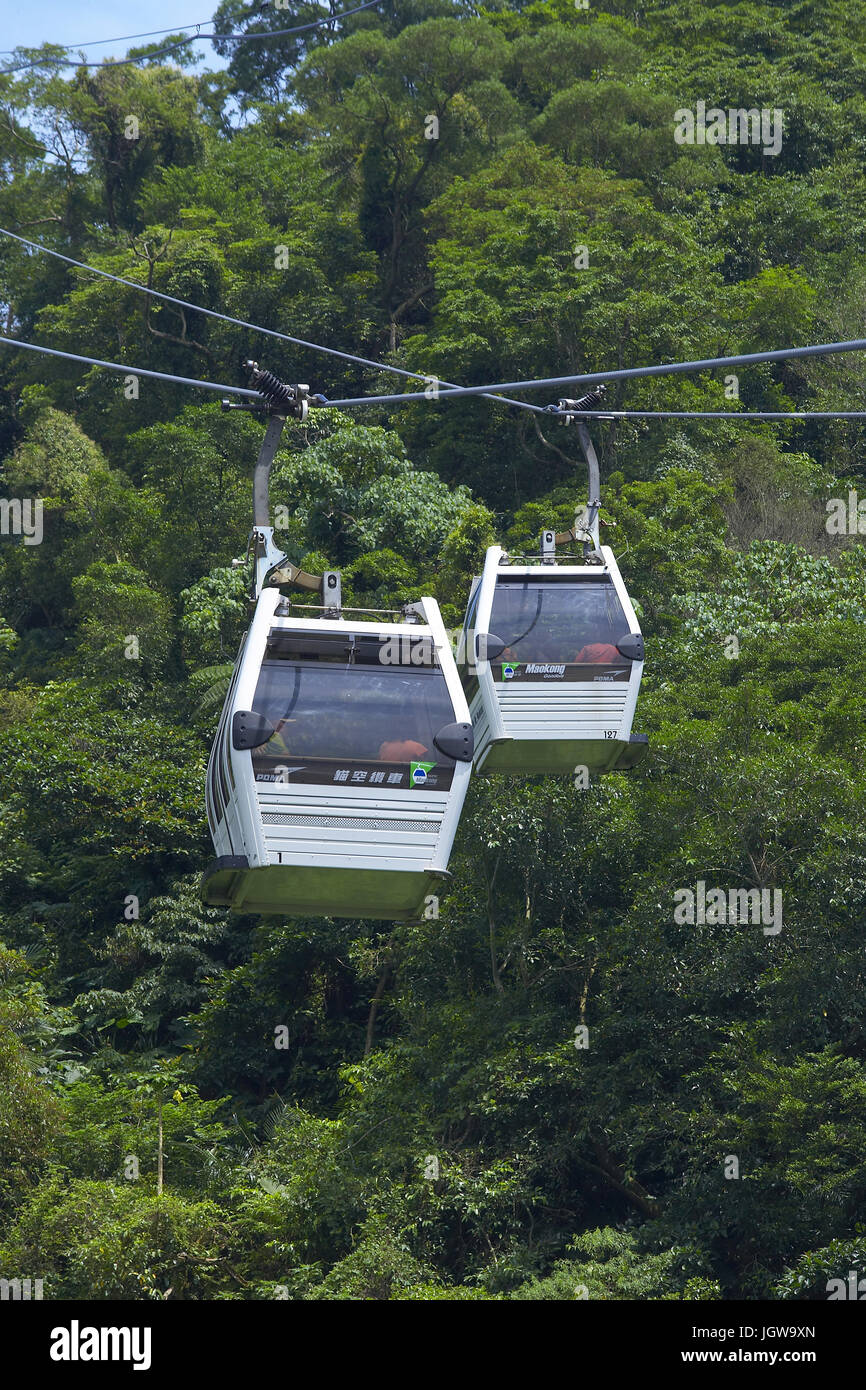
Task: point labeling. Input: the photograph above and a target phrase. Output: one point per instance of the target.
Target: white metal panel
(337, 826)
(567, 711)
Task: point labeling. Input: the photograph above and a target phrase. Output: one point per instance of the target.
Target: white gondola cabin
(340, 766)
(551, 657)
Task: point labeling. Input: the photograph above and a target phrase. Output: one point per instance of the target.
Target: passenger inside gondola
(596, 654)
(357, 712)
(571, 623)
(406, 750)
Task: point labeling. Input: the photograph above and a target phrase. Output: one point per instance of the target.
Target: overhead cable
(620, 374)
(322, 401)
(705, 414)
(244, 323)
(119, 38)
(129, 371)
(193, 38)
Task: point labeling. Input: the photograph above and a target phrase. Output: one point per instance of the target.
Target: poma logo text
(22, 518)
(736, 126)
(406, 651)
(852, 1288)
(20, 1289)
(697, 906)
(76, 1343)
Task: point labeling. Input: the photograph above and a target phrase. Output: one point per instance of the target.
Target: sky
(58, 21)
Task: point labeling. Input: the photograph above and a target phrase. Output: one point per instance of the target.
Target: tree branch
(494, 968)
(612, 1171)
(377, 997)
(572, 463)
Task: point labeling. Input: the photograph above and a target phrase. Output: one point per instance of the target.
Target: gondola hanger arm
(586, 523)
(280, 400)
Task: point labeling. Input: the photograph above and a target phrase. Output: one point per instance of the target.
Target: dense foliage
(433, 1126)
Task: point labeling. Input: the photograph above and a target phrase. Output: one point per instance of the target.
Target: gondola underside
(552, 757)
(336, 852)
(395, 896)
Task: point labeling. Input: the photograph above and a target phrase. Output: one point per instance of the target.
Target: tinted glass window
(560, 622)
(356, 712)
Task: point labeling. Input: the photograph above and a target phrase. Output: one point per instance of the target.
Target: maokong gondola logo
(545, 668)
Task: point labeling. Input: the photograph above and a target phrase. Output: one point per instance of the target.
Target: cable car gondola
(340, 766)
(343, 753)
(551, 656)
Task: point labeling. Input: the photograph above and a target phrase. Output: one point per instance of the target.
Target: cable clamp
(279, 396)
(568, 409)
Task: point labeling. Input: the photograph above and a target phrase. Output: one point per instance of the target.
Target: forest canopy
(552, 1084)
